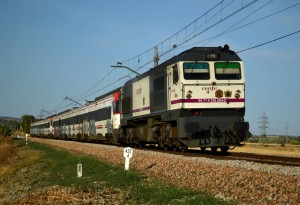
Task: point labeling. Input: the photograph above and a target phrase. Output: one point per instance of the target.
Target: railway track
(267, 159)
(250, 157)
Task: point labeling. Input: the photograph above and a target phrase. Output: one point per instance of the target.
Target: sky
(50, 49)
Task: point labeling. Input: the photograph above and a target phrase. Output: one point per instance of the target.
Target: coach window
(228, 71)
(175, 74)
(196, 71)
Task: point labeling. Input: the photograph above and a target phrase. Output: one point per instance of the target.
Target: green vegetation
(58, 167)
(295, 141)
(5, 131)
(26, 123)
(6, 147)
(281, 140)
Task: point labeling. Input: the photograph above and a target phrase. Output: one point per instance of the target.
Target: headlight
(189, 94)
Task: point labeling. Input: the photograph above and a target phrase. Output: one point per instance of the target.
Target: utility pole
(67, 98)
(119, 65)
(287, 132)
(263, 124)
(156, 56)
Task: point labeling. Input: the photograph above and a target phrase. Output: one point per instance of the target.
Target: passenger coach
(96, 121)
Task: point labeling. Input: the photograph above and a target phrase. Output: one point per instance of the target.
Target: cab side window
(175, 74)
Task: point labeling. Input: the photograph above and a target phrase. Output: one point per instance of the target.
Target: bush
(5, 131)
(7, 148)
(253, 139)
(295, 142)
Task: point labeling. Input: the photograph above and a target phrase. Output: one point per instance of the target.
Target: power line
(269, 42)
(189, 37)
(176, 34)
(210, 39)
(174, 38)
(242, 26)
(238, 22)
(263, 126)
(89, 90)
(173, 42)
(287, 132)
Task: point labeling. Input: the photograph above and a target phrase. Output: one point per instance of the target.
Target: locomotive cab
(195, 99)
(207, 98)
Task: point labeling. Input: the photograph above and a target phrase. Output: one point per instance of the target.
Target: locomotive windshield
(228, 71)
(196, 71)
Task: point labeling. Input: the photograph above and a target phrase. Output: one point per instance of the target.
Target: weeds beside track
(53, 179)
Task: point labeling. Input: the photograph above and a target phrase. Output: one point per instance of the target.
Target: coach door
(108, 126)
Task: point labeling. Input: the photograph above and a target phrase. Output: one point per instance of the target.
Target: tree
(26, 122)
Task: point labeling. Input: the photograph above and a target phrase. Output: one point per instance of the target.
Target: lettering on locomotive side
(208, 100)
(138, 91)
(210, 88)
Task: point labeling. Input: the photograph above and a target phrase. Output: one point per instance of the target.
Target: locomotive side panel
(140, 97)
(158, 95)
(126, 102)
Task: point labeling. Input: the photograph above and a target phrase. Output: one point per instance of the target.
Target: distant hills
(11, 122)
(10, 119)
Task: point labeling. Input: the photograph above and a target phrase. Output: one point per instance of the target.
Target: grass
(269, 149)
(58, 167)
(15, 156)
(7, 148)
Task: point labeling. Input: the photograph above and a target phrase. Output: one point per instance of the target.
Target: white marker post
(26, 136)
(79, 170)
(127, 154)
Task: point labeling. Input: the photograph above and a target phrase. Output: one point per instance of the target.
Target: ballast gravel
(245, 182)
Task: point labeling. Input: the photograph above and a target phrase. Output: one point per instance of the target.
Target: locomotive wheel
(141, 144)
(166, 147)
(202, 149)
(160, 143)
(109, 140)
(214, 149)
(183, 149)
(224, 149)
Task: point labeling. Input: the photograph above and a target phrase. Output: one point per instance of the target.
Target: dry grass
(14, 157)
(270, 149)
(7, 149)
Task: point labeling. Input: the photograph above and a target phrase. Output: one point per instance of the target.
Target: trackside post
(127, 154)
(79, 170)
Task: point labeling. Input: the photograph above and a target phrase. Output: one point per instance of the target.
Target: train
(195, 99)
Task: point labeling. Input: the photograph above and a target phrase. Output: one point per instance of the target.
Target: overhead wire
(276, 39)
(261, 7)
(137, 56)
(197, 34)
(242, 26)
(84, 94)
(90, 91)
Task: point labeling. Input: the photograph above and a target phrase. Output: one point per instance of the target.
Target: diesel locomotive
(194, 99)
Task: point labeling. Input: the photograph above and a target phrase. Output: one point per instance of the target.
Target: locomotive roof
(194, 54)
(200, 54)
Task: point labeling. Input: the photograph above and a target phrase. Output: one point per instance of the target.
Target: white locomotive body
(195, 99)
